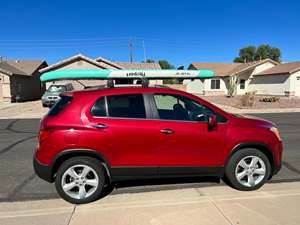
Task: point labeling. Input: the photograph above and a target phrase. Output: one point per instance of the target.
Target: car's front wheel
(80, 180)
(247, 169)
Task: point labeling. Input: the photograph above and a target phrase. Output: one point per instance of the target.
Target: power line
(60, 47)
(66, 39)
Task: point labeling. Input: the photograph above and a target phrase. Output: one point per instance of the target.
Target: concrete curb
(203, 205)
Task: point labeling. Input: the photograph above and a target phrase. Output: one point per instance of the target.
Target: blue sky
(179, 31)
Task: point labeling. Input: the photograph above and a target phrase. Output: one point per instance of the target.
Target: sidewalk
(272, 204)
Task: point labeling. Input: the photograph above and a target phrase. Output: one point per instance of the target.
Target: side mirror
(212, 122)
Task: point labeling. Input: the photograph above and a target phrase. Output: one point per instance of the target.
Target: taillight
(44, 134)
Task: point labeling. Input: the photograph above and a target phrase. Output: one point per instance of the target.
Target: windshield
(57, 88)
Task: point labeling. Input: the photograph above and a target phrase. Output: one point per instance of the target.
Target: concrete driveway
(18, 181)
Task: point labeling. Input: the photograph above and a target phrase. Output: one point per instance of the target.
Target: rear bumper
(43, 171)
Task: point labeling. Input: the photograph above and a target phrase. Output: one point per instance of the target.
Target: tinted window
(126, 106)
(242, 84)
(215, 84)
(57, 88)
(98, 108)
(60, 105)
(175, 107)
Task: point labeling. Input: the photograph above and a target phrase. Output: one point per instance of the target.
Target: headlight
(276, 132)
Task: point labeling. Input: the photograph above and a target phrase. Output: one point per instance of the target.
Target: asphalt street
(18, 181)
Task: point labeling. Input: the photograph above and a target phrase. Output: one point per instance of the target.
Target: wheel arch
(69, 153)
(264, 148)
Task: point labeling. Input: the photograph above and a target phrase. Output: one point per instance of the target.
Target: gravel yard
(284, 102)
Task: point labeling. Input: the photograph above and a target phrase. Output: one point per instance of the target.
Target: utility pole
(144, 48)
(130, 49)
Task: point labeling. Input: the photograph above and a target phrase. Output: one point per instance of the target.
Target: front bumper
(43, 171)
(277, 169)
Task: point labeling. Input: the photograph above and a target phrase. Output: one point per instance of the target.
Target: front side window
(175, 107)
(215, 84)
(126, 106)
(242, 84)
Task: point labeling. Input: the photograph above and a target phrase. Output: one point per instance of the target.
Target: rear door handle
(100, 126)
(167, 131)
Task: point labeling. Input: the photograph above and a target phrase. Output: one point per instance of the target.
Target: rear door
(185, 140)
(121, 126)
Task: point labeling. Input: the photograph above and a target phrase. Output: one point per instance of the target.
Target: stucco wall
(5, 87)
(248, 76)
(262, 67)
(245, 77)
(209, 91)
(270, 84)
(195, 86)
(295, 83)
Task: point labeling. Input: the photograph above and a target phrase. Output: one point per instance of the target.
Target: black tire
(230, 169)
(88, 161)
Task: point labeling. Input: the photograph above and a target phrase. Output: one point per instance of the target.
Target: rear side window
(98, 108)
(60, 105)
(126, 106)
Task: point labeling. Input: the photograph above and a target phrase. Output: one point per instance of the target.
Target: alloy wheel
(79, 181)
(250, 171)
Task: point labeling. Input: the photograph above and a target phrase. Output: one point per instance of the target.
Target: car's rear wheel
(80, 180)
(247, 169)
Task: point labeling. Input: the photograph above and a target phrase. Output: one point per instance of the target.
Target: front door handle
(167, 131)
(100, 126)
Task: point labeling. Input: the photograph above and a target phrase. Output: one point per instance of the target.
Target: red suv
(94, 138)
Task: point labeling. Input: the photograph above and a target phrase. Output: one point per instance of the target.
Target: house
(265, 77)
(80, 61)
(20, 79)
(283, 78)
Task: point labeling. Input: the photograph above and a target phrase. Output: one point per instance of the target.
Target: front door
(185, 140)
